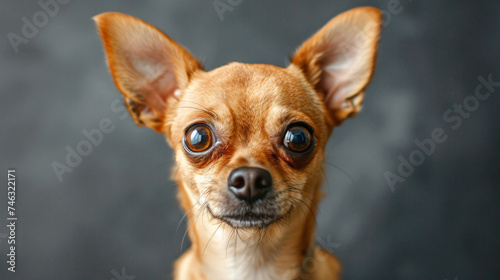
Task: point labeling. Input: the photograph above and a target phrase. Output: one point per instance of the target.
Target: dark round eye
(297, 139)
(198, 138)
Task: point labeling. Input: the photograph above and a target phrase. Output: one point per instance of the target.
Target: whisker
(195, 215)
(211, 239)
(204, 107)
(229, 239)
(184, 217)
(296, 190)
(195, 218)
(212, 113)
(305, 108)
(342, 170)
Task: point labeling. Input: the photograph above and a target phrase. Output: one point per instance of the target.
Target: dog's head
(248, 138)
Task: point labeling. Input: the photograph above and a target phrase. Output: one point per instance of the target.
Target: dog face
(248, 138)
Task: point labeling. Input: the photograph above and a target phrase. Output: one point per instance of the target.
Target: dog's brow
(308, 107)
(201, 109)
(312, 106)
(310, 96)
(204, 109)
(285, 118)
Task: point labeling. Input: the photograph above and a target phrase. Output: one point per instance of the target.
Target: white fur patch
(342, 63)
(148, 69)
(177, 93)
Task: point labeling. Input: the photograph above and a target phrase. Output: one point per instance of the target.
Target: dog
(248, 140)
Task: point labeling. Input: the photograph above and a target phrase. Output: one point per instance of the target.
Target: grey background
(118, 208)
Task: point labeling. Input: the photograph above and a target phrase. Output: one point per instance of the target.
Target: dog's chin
(249, 220)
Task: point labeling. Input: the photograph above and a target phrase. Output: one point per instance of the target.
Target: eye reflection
(297, 139)
(198, 138)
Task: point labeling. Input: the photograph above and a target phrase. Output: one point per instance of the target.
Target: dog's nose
(250, 183)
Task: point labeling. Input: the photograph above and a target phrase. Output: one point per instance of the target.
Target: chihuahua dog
(249, 140)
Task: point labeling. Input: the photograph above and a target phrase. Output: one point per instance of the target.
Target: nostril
(263, 182)
(238, 182)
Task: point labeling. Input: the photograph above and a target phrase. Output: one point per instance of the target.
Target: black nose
(250, 183)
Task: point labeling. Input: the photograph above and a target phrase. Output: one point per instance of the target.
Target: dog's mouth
(248, 217)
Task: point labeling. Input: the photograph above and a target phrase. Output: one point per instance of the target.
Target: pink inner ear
(153, 75)
(346, 65)
(335, 75)
(144, 62)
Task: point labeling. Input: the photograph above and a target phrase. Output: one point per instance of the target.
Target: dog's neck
(222, 252)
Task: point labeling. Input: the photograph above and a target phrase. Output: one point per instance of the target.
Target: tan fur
(248, 106)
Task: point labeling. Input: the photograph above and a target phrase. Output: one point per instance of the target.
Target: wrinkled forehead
(248, 96)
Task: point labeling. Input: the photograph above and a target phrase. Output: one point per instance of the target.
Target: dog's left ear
(339, 59)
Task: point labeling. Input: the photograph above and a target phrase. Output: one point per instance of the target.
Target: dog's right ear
(339, 59)
(148, 67)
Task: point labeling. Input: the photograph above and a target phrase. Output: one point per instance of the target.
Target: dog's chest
(229, 260)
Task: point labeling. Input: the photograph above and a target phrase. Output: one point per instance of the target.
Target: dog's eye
(198, 138)
(297, 139)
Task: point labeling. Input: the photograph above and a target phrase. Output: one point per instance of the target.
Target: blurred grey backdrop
(117, 208)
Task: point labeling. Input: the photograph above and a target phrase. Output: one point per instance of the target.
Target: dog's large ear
(339, 59)
(148, 67)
